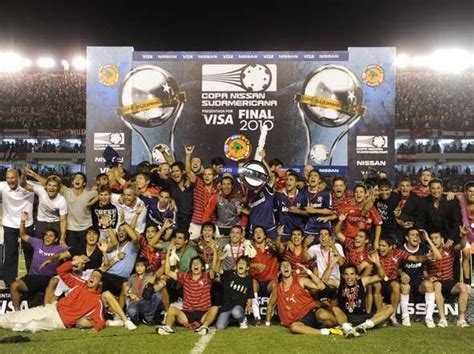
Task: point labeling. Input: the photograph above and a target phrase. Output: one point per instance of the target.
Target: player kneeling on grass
(391, 259)
(197, 311)
(351, 295)
(82, 304)
(237, 297)
(296, 308)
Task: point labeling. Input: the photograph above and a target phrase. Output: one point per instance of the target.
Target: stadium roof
(38, 28)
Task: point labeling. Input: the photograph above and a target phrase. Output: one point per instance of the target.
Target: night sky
(66, 28)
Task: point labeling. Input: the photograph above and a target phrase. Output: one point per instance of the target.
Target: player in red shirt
(339, 194)
(83, 300)
(296, 308)
(441, 273)
(296, 249)
(422, 189)
(204, 190)
(356, 249)
(197, 310)
(263, 268)
(391, 259)
(359, 215)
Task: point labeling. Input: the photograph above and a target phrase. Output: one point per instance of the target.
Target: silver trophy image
(332, 98)
(149, 97)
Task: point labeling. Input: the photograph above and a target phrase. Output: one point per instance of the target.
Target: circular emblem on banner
(373, 75)
(237, 147)
(378, 141)
(109, 74)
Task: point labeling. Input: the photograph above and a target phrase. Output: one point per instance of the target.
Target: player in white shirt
(52, 208)
(128, 203)
(326, 251)
(15, 199)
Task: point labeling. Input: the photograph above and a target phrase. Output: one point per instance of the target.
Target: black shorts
(356, 319)
(310, 319)
(112, 283)
(194, 316)
(327, 294)
(263, 284)
(446, 287)
(386, 289)
(35, 283)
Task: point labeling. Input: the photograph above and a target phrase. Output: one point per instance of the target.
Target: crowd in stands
(42, 100)
(433, 100)
(453, 177)
(54, 100)
(201, 247)
(414, 148)
(17, 151)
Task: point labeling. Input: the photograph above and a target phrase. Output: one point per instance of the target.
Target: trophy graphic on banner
(149, 97)
(331, 97)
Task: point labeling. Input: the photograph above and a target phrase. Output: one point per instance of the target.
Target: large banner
(334, 109)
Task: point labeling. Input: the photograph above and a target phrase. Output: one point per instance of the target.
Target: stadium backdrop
(219, 101)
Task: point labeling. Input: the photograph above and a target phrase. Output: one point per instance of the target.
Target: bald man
(15, 200)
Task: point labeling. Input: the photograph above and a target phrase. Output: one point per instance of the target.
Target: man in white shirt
(79, 218)
(52, 209)
(324, 252)
(128, 204)
(15, 199)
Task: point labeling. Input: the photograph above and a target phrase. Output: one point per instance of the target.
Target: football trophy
(149, 97)
(332, 98)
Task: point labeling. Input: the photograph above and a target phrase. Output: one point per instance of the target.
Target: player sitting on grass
(82, 302)
(351, 309)
(296, 308)
(142, 298)
(237, 294)
(197, 311)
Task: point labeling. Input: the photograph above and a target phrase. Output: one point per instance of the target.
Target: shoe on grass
(202, 331)
(164, 330)
(443, 323)
(130, 325)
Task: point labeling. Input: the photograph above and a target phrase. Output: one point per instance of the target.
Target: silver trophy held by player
(332, 98)
(149, 97)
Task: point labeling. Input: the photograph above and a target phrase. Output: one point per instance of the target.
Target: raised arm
(280, 246)
(33, 174)
(215, 261)
(23, 181)
(340, 236)
(436, 253)
(271, 182)
(23, 235)
(189, 172)
(313, 282)
(326, 277)
(168, 271)
(367, 280)
(463, 231)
